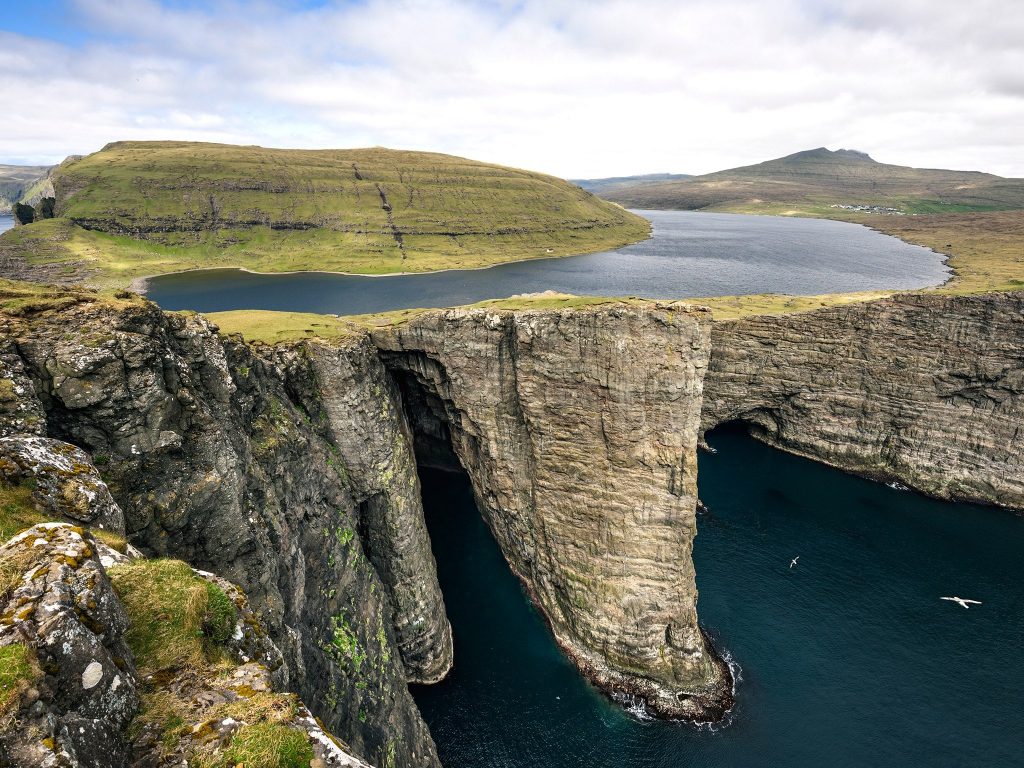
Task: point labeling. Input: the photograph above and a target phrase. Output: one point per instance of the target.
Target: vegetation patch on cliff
(17, 671)
(271, 745)
(19, 512)
(177, 619)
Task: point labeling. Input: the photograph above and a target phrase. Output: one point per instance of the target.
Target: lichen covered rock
(65, 482)
(60, 605)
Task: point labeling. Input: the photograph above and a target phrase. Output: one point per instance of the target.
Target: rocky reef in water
(173, 453)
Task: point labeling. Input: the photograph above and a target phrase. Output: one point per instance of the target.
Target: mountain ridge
(822, 177)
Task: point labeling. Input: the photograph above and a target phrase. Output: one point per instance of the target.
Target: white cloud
(572, 88)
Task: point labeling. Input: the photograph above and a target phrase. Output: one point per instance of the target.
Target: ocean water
(690, 255)
(6, 222)
(848, 659)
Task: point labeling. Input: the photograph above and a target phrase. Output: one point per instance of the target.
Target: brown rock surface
(926, 390)
(578, 430)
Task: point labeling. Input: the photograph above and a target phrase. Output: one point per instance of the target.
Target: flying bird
(962, 601)
(793, 561)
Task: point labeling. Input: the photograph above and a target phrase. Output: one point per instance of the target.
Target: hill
(602, 186)
(17, 183)
(142, 208)
(814, 180)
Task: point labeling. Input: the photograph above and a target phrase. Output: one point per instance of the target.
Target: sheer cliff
(291, 470)
(925, 390)
(578, 430)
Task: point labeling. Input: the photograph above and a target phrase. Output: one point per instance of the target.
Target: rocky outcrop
(578, 430)
(74, 697)
(213, 462)
(79, 690)
(65, 484)
(926, 390)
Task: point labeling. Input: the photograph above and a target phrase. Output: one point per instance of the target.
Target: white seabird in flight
(962, 601)
(793, 561)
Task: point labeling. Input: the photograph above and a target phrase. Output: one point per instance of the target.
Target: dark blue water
(6, 222)
(849, 659)
(691, 254)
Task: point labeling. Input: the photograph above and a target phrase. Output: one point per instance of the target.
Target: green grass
(143, 208)
(17, 671)
(178, 620)
(267, 745)
(271, 327)
(17, 511)
(19, 298)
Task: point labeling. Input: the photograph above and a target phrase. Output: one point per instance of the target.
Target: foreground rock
(213, 462)
(79, 691)
(924, 390)
(75, 696)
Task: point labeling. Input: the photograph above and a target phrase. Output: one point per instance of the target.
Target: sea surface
(6, 222)
(848, 659)
(690, 255)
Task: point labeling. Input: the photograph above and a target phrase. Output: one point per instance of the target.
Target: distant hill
(19, 183)
(819, 178)
(143, 208)
(602, 186)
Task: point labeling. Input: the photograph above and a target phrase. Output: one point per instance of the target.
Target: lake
(849, 659)
(691, 254)
(6, 222)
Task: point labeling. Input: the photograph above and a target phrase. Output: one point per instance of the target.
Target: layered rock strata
(578, 430)
(925, 390)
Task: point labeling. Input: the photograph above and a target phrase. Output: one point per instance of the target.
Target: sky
(579, 89)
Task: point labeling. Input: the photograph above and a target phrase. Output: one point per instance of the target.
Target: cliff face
(291, 471)
(578, 431)
(355, 404)
(213, 463)
(924, 390)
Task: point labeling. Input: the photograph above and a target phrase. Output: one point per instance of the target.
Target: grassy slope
(605, 186)
(142, 208)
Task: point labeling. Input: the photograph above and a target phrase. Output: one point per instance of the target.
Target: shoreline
(140, 285)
